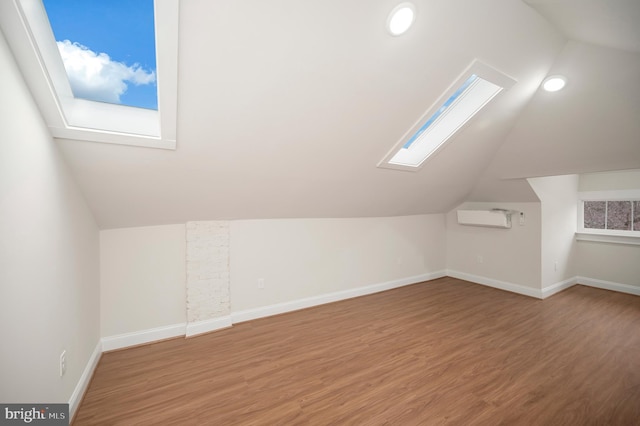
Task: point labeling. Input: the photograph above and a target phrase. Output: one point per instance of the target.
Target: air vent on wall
(496, 218)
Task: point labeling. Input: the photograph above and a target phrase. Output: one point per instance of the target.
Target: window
(108, 49)
(28, 31)
(477, 86)
(609, 213)
(616, 215)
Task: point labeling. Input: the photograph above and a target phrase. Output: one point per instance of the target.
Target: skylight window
(108, 49)
(477, 87)
(99, 84)
(462, 89)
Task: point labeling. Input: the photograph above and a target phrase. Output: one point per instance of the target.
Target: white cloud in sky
(96, 76)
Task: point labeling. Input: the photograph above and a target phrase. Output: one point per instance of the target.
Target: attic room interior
(326, 218)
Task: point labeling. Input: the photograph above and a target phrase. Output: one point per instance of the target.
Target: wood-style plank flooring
(441, 352)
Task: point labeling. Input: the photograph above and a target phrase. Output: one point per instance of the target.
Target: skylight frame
(26, 26)
(477, 68)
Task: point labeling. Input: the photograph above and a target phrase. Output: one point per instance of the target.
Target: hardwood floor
(442, 352)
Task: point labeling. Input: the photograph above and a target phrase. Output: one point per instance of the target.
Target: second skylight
(478, 86)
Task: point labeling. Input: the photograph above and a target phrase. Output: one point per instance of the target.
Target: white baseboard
(199, 327)
(558, 287)
(159, 333)
(192, 329)
(502, 285)
(144, 336)
(294, 305)
(608, 285)
(85, 378)
(549, 290)
(150, 335)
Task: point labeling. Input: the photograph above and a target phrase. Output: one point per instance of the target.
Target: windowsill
(608, 239)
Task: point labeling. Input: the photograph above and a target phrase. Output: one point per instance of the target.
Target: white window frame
(28, 32)
(606, 235)
(476, 67)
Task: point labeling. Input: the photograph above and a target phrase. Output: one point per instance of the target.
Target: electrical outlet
(63, 363)
(555, 265)
(260, 282)
(480, 259)
(521, 220)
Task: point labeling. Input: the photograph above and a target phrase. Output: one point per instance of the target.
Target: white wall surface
(615, 263)
(208, 281)
(142, 278)
(508, 255)
(49, 271)
(559, 204)
(299, 258)
(608, 181)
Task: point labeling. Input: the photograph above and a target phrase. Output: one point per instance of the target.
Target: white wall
(508, 255)
(299, 258)
(559, 203)
(545, 251)
(49, 271)
(143, 269)
(608, 181)
(615, 263)
(142, 278)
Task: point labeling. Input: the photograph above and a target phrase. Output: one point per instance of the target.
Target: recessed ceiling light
(401, 18)
(554, 83)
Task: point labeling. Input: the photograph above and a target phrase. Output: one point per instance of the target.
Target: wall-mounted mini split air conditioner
(496, 218)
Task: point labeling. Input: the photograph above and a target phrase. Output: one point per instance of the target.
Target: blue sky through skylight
(108, 48)
(440, 110)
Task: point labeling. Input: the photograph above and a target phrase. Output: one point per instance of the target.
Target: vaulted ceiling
(286, 107)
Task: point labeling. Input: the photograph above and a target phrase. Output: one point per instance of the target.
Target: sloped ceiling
(285, 108)
(606, 23)
(594, 123)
